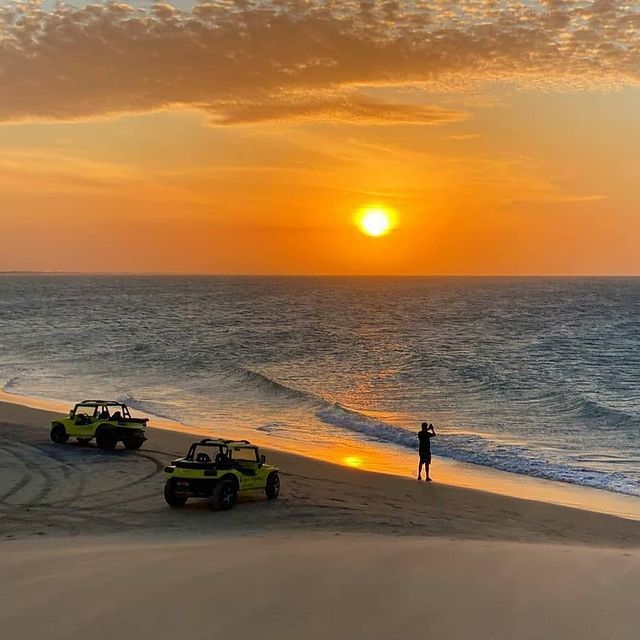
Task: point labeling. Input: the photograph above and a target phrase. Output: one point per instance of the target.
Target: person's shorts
(425, 458)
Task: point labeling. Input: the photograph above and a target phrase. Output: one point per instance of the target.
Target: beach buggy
(218, 470)
(107, 421)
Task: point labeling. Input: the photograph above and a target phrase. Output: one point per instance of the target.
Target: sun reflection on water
(352, 461)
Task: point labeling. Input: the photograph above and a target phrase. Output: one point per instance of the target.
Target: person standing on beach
(424, 437)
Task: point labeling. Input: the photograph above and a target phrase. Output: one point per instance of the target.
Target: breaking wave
(480, 450)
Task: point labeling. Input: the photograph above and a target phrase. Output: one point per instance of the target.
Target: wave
(157, 409)
(272, 427)
(603, 414)
(475, 449)
(577, 407)
(273, 388)
(11, 384)
(375, 430)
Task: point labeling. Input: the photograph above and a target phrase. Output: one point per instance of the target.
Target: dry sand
(89, 549)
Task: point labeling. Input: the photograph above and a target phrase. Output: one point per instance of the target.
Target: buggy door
(84, 421)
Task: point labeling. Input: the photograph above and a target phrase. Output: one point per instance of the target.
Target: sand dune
(89, 549)
(295, 586)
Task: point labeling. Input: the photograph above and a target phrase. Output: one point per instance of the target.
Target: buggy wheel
(59, 434)
(106, 440)
(272, 488)
(170, 497)
(133, 443)
(224, 496)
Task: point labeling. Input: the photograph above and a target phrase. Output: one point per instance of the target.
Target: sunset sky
(241, 136)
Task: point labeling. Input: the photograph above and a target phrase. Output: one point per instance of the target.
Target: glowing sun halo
(375, 221)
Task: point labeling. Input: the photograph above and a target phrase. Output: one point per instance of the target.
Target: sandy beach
(411, 555)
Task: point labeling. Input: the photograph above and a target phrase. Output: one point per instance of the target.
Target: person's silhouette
(424, 437)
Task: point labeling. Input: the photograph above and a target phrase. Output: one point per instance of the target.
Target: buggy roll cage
(96, 404)
(222, 444)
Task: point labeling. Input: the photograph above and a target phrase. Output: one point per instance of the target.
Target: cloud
(342, 106)
(464, 136)
(44, 170)
(243, 60)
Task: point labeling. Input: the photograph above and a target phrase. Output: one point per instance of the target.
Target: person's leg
(420, 470)
(426, 467)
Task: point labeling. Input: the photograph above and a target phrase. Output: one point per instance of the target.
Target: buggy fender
(230, 476)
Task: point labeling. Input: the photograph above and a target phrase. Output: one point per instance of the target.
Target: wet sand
(343, 553)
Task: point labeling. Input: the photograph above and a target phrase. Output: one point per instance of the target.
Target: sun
(375, 221)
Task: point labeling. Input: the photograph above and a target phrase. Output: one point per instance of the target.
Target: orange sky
(509, 145)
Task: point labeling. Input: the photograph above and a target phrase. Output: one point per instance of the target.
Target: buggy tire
(106, 440)
(272, 488)
(170, 497)
(59, 434)
(133, 443)
(224, 495)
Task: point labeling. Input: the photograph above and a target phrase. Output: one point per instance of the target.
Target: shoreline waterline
(384, 459)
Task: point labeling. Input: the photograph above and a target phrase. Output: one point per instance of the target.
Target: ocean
(534, 376)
